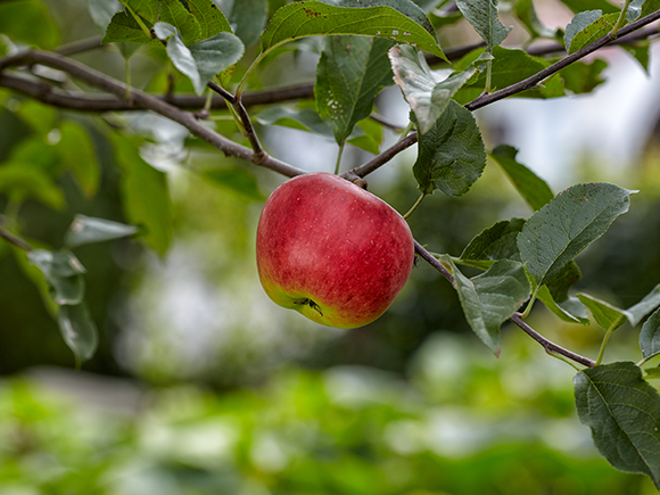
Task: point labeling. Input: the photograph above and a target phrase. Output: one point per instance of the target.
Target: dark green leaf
(634, 10)
(531, 187)
(33, 273)
(312, 18)
(649, 7)
(79, 156)
(623, 412)
(580, 77)
(88, 230)
(649, 338)
(496, 242)
(451, 154)
(145, 196)
(483, 17)
(210, 18)
(237, 180)
(607, 316)
(489, 299)
(640, 51)
(29, 21)
(425, 92)
(636, 313)
(63, 273)
(125, 29)
(248, 18)
(652, 373)
(349, 75)
(580, 22)
(559, 231)
(78, 330)
(564, 280)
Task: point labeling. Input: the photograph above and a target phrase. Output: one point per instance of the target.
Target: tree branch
(384, 157)
(147, 101)
(9, 237)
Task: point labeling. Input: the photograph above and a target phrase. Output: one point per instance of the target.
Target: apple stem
(339, 153)
(414, 207)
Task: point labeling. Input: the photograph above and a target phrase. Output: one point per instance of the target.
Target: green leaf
(248, 18)
(305, 119)
(145, 196)
(483, 17)
(491, 298)
(21, 180)
(451, 155)
(559, 231)
(78, 330)
(577, 6)
(607, 316)
(33, 273)
(29, 21)
(350, 73)
(526, 12)
(531, 187)
(88, 230)
(649, 7)
(634, 10)
(570, 310)
(210, 18)
(509, 67)
(425, 92)
(77, 153)
(313, 18)
(652, 373)
(237, 180)
(124, 28)
(649, 338)
(495, 243)
(580, 77)
(636, 313)
(63, 273)
(40, 117)
(579, 36)
(623, 412)
(102, 12)
(212, 56)
(563, 281)
(202, 60)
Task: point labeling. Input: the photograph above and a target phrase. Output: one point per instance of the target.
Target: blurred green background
(202, 386)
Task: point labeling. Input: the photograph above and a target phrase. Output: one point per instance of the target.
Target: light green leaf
(125, 29)
(649, 338)
(623, 412)
(425, 91)
(78, 330)
(587, 27)
(491, 298)
(451, 155)
(145, 196)
(634, 10)
(63, 273)
(349, 75)
(636, 313)
(20, 180)
(559, 231)
(579, 23)
(210, 19)
(102, 12)
(29, 21)
(78, 154)
(531, 187)
(305, 119)
(570, 310)
(212, 56)
(607, 316)
(313, 18)
(482, 14)
(88, 230)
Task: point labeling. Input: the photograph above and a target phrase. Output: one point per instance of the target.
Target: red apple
(332, 251)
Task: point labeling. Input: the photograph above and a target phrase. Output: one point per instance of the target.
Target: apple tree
(208, 73)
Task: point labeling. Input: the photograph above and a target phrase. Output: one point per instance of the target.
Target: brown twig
(16, 241)
(385, 156)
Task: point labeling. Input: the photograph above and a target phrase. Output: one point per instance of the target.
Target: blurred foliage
(465, 423)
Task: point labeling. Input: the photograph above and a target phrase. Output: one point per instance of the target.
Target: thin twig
(385, 156)
(433, 261)
(9, 237)
(161, 107)
(550, 347)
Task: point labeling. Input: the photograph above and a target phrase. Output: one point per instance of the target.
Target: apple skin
(332, 251)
